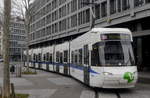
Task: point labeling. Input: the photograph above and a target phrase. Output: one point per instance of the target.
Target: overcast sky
(1, 3)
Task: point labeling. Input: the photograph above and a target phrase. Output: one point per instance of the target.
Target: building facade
(17, 39)
(59, 20)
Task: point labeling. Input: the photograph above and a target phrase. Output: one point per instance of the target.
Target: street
(51, 85)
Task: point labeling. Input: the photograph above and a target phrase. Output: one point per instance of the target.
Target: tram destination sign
(115, 37)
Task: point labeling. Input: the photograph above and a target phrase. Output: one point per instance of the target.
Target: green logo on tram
(129, 77)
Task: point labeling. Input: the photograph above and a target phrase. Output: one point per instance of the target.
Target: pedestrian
(12, 69)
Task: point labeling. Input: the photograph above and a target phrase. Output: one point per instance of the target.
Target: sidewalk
(46, 85)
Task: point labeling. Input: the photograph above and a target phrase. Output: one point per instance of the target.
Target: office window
(112, 6)
(125, 4)
(61, 1)
(87, 16)
(104, 9)
(97, 11)
(138, 2)
(147, 1)
(73, 5)
(73, 20)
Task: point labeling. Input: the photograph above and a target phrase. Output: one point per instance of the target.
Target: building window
(147, 1)
(73, 5)
(87, 16)
(104, 9)
(97, 11)
(119, 5)
(112, 6)
(73, 20)
(138, 2)
(125, 4)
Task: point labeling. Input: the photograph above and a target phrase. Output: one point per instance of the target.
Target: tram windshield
(114, 53)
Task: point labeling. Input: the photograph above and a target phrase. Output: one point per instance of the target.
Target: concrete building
(17, 39)
(59, 20)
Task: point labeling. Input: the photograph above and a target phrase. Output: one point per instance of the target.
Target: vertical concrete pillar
(131, 2)
(108, 8)
(139, 53)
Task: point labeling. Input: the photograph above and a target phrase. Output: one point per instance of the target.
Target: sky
(1, 3)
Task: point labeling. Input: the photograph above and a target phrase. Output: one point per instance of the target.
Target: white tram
(102, 57)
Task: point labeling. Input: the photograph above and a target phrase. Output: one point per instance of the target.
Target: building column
(139, 53)
(108, 8)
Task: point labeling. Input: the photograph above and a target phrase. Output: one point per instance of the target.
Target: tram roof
(123, 30)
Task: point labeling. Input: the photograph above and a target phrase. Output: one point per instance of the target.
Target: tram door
(39, 60)
(47, 60)
(65, 57)
(57, 61)
(34, 59)
(86, 65)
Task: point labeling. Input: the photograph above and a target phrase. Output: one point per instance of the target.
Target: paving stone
(87, 94)
(62, 81)
(38, 93)
(18, 82)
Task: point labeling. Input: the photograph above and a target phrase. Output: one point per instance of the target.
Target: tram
(102, 57)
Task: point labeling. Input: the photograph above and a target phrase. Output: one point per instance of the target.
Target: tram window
(57, 56)
(61, 57)
(76, 57)
(29, 57)
(72, 57)
(66, 56)
(47, 56)
(95, 60)
(86, 54)
(50, 58)
(44, 57)
(39, 57)
(34, 57)
(80, 56)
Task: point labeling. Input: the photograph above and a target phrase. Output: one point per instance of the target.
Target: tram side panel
(44, 58)
(61, 64)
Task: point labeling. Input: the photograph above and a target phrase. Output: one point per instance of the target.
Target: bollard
(18, 71)
(12, 90)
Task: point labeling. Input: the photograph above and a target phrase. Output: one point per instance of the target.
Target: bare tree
(6, 45)
(23, 8)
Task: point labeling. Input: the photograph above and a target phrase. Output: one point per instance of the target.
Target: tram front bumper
(117, 83)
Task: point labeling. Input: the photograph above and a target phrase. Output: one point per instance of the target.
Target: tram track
(106, 93)
(118, 95)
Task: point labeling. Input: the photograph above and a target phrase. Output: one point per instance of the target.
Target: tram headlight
(107, 73)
